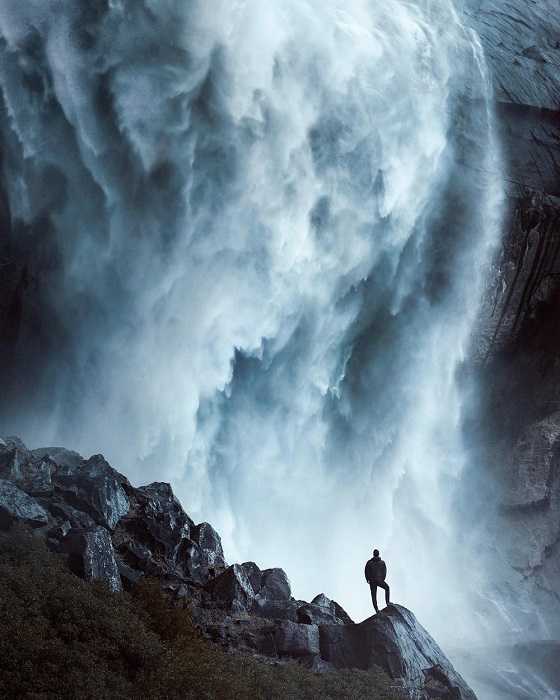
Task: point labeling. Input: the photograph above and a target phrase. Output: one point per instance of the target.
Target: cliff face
(516, 427)
(108, 529)
(521, 44)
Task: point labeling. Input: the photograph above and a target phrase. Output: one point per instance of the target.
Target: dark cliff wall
(516, 422)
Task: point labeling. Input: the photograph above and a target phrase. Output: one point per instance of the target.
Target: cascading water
(263, 230)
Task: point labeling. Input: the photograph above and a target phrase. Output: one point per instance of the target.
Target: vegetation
(62, 638)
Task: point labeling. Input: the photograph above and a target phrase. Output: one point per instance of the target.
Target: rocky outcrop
(109, 530)
(232, 590)
(324, 611)
(296, 640)
(395, 640)
(91, 555)
(273, 598)
(17, 506)
(210, 545)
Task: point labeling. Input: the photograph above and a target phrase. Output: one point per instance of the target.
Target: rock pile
(108, 529)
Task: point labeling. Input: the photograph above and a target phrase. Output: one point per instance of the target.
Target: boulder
(97, 465)
(59, 509)
(194, 563)
(275, 584)
(13, 441)
(37, 480)
(262, 643)
(341, 613)
(136, 554)
(129, 577)
(322, 611)
(232, 589)
(395, 640)
(210, 545)
(254, 574)
(57, 533)
(274, 597)
(9, 461)
(17, 506)
(293, 639)
(102, 497)
(67, 459)
(31, 473)
(159, 521)
(91, 556)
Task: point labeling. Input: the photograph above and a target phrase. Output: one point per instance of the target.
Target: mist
(263, 233)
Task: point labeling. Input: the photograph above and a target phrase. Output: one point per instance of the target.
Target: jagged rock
(194, 563)
(293, 639)
(17, 463)
(261, 643)
(9, 461)
(395, 640)
(322, 611)
(340, 613)
(137, 554)
(160, 521)
(275, 584)
(91, 556)
(60, 456)
(232, 589)
(97, 465)
(59, 509)
(254, 574)
(102, 497)
(210, 545)
(129, 577)
(37, 480)
(13, 441)
(274, 597)
(17, 506)
(61, 531)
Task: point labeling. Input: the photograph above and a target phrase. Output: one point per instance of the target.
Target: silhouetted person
(375, 573)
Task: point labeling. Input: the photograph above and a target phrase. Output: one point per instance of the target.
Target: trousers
(373, 586)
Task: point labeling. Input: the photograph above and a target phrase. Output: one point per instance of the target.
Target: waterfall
(262, 231)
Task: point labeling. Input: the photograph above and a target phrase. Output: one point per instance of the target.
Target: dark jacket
(375, 570)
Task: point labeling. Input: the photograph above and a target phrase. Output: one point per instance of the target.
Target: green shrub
(61, 637)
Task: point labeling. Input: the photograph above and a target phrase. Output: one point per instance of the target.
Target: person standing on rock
(375, 573)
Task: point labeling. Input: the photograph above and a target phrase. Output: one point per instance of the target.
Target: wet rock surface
(395, 640)
(109, 530)
(91, 556)
(516, 346)
(17, 506)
